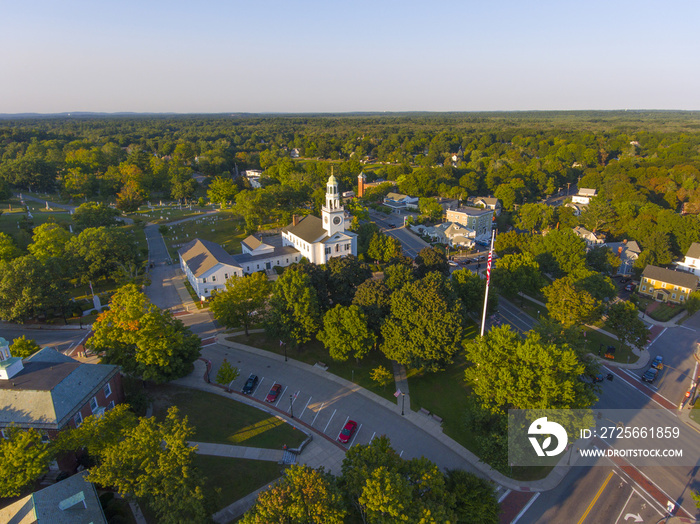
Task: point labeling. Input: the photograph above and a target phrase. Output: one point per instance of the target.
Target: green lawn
(312, 352)
(224, 228)
(596, 341)
(168, 213)
(236, 478)
(221, 420)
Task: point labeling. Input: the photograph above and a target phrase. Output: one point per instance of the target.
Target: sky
(342, 56)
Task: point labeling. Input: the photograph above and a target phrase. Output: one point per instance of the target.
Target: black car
(650, 375)
(250, 385)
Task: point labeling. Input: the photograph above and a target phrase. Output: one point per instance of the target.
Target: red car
(274, 393)
(347, 432)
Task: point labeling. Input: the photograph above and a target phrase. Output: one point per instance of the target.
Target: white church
(208, 266)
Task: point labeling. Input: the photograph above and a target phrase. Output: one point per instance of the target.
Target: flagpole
(488, 282)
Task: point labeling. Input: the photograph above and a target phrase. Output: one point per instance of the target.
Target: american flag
(488, 267)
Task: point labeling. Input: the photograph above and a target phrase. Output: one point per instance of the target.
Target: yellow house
(666, 285)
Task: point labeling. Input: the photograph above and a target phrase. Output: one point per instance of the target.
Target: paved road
(60, 339)
(411, 243)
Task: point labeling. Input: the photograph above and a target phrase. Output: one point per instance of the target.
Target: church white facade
(319, 239)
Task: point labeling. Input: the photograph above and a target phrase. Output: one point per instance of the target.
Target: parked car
(250, 384)
(274, 393)
(650, 375)
(624, 280)
(453, 263)
(392, 226)
(347, 431)
(629, 287)
(658, 362)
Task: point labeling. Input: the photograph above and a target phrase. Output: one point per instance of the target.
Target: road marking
(657, 337)
(401, 454)
(505, 494)
(356, 432)
(627, 381)
(524, 510)
(341, 427)
(370, 440)
(656, 388)
(624, 506)
(329, 420)
(597, 496)
(302, 411)
(295, 396)
(319, 410)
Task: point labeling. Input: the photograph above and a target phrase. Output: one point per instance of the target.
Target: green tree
(692, 305)
(8, 249)
(424, 329)
(153, 461)
(302, 496)
(566, 248)
(344, 276)
(623, 319)
(23, 459)
(130, 197)
(384, 248)
(382, 376)
(431, 259)
(294, 315)
(397, 275)
(222, 190)
(517, 273)
(570, 305)
(535, 217)
(49, 240)
(509, 243)
(143, 339)
(226, 373)
(430, 208)
(97, 252)
(374, 297)
(475, 500)
(24, 347)
(94, 214)
(470, 288)
(509, 372)
(242, 300)
(345, 333)
(599, 214)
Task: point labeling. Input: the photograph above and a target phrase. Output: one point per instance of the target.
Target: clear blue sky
(332, 55)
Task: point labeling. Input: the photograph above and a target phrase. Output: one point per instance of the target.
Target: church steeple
(333, 212)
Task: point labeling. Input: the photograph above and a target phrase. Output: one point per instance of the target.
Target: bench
(425, 411)
(438, 419)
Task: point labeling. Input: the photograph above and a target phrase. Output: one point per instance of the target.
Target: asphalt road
(411, 243)
(60, 339)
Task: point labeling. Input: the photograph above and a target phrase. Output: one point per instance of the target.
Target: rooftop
(309, 229)
(471, 211)
(693, 250)
(677, 278)
(202, 255)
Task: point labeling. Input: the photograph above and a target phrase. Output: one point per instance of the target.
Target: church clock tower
(333, 213)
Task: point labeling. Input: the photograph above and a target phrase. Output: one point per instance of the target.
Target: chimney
(295, 220)
(624, 241)
(619, 251)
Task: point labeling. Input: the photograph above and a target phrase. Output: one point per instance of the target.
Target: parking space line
(258, 387)
(401, 454)
(302, 411)
(329, 420)
(341, 427)
(281, 395)
(373, 434)
(505, 494)
(356, 433)
(527, 507)
(319, 410)
(294, 399)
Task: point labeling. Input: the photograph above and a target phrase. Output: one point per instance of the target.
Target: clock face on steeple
(337, 220)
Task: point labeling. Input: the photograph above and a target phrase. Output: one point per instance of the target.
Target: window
(258, 266)
(663, 285)
(213, 278)
(78, 419)
(328, 251)
(204, 281)
(337, 248)
(673, 296)
(93, 404)
(287, 261)
(107, 390)
(44, 437)
(682, 298)
(111, 405)
(225, 276)
(206, 291)
(644, 288)
(675, 288)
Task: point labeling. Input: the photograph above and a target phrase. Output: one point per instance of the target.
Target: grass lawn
(596, 341)
(236, 478)
(170, 213)
(224, 228)
(221, 420)
(312, 352)
(9, 222)
(695, 412)
(534, 310)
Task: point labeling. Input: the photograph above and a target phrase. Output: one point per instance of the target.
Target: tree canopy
(242, 300)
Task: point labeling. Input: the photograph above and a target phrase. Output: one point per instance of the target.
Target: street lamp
(291, 405)
(403, 402)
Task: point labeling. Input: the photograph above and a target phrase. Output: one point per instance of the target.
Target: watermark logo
(542, 426)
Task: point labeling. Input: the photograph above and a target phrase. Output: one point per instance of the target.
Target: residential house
(628, 252)
(450, 233)
(398, 202)
(666, 285)
(473, 218)
(253, 176)
(207, 266)
(50, 391)
(691, 263)
(295, 153)
(592, 239)
(584, 196)
(71, 501)
(578, 208)
(486, 203)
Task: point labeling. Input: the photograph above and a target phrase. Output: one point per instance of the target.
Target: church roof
(309, 229)
(202, 255)
(252, 242)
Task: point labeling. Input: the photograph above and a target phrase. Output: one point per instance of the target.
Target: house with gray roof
(666, 285)
(49, 391)
(398, 202)
(71, 501)
(592, 239)
(628, 252)
(473, 218)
